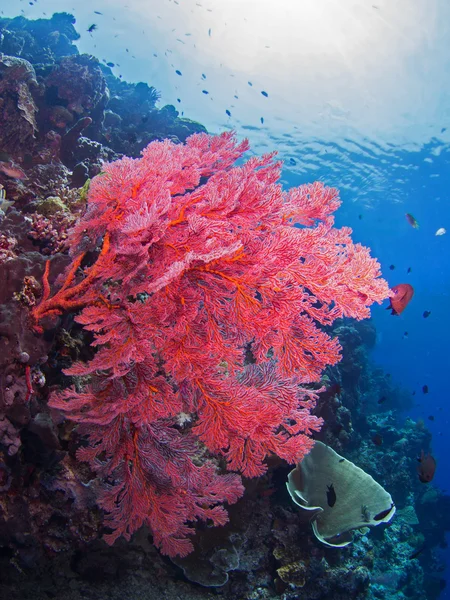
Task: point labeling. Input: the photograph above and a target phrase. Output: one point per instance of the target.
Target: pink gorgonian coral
(206, 299)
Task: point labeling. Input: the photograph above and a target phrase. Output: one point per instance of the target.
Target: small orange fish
(426, 468)
(412, 221)
(403, 292)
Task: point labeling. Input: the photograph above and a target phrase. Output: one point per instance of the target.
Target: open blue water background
(357, 96)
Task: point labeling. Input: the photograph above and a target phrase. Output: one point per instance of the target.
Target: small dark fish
(412, 220)
(425, 389)
(265, 94)
(331, 495)
(360, 217)
(178, 72)
(405, 334)
(205, 92)
(292, 161)
(431, 418)
(382, 400)
(178, 100)
(110, 64)
(203, 76)
(250, 83)
(416, 553)
(444, 129)
(92, 28)
(409, 270)
(414, 393)
(97, 12)
(262, 120)
(383, 514)
(426, 314)
(426, 468)
(228, 112)
(377, 439)
(392, 267)
(209, 32)
(341, 460)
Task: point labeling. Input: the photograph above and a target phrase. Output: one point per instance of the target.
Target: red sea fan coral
(205, 301)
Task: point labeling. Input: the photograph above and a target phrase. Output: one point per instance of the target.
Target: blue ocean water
(352, 93)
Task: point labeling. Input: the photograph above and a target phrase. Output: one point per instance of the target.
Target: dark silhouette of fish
(331, 495)
(426, 467)
(425, 389)
(403, 292)
(92, 28)
(383, 514)
(412, 220)
(426, 314)
(416, 553)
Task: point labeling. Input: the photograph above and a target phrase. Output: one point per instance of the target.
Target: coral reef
(55, 135)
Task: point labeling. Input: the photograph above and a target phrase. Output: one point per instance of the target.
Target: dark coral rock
(131, 102)
(39, 41)
(89, 152)
(19, 414)
(133, 122)
(44, 180)
(78, 84)
(43, 427)
(5, 477)
(17, 106)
